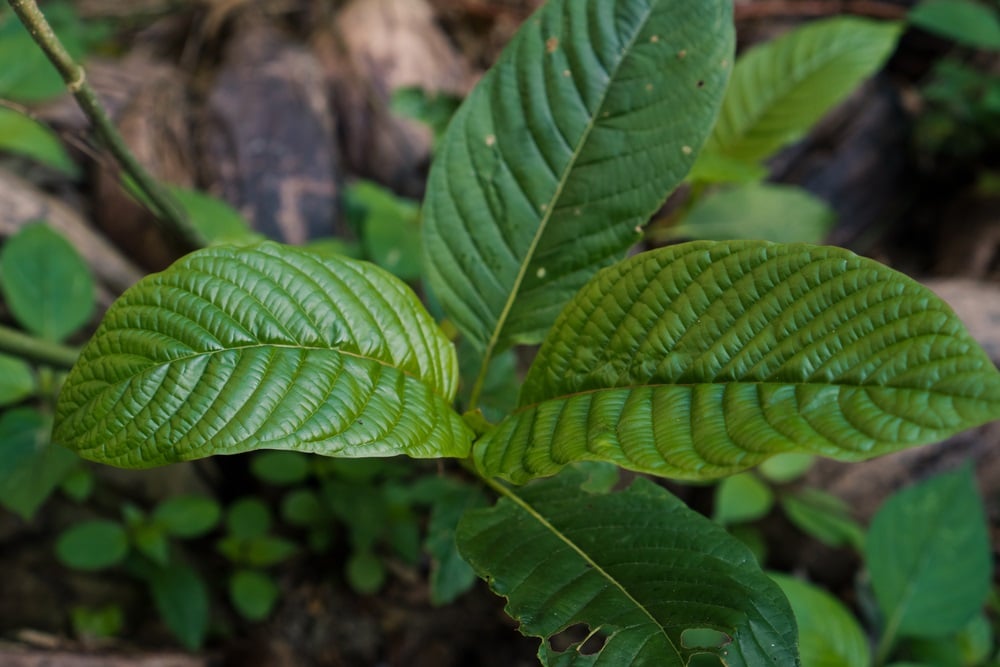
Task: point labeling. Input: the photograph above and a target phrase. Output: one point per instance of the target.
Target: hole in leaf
(704, 638)
(579, 637)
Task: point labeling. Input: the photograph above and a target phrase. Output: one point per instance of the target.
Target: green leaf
(78, 485)
(31, 466)
(150, 540)
(253, 594)
(928, 554)
(779, 89)
(829, 636)
(47, 285)
(93, 545)
(22, 135)
(365, 572)
(824, 517)
(702, 359)
(636, 567)
(257, 551)
(27, 74)
(781, 213)
(390, 228)
(182, 600)
(17, 382)
(968, 23)
(742, 498)
(968, 648)
(248, 517)
(97, 622)
(717, 168)
(235, 349)
(450, 574)
(280, 468)
(187, 516)
(434, 109)
(785, 468)
(591, 116)
(215, 220)
(302, 507)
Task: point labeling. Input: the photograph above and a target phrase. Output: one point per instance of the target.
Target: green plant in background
(142, 544)
(695, 361)
(49, 291)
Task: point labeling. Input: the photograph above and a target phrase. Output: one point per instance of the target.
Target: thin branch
(19, 344)
(169, 215)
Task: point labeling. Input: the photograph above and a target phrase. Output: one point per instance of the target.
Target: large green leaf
(233, 349)
(637, 567)
(928, 553)
(781, 88)
(967, 22)
(702, 359)
(593, 113)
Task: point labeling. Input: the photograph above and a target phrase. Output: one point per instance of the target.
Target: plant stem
(35, 349)
(169, 215)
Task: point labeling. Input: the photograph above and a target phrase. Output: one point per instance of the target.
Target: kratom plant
(693, 362)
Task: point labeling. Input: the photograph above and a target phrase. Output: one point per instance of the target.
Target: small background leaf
(93, 545)
(770, 212)
(829, 636)
(27, 74)
(187, 516)
(32, 465)
(824, 517)
(779, 89)
(253, 594)
(742, 498)
(968, 23)
(928, 554)
(46, 283)
(17, 382)
(638, 564)
(181, 598)
(25, 136)
(390, 227)
(280, 468)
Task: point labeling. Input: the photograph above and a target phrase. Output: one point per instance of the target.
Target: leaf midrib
(550, 209)
(289, 346)
(520, 502)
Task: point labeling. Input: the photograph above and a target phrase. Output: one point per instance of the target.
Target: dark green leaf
(235, 349)
(280, 468)
(779, 89)
(17, 382)
(390, 227)
(25, 136)
(78, 485)
(365, 572)
(742, 498)
(824, 517)
(93, 545)
(31, 466)
(302, 507)
(46, 283)
(90, 623)
(785, 468)
(702, 359)
(829, 636)
(450, 574)
(588, 120)
(182, 600)
(970, 646)
(257, 551)
(782, 213)
(253, 594)
(637, 567)
(968, 23)
(187, 516)
(150, 540)
(433, 109)
(27, 75)
(248, 517)
(215, 220)
(928, 553)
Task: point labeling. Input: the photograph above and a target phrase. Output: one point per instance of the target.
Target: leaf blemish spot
(682, 54)
(577, 211)
(649, 87)
(540, 272)
(654, 39)
(686, 150)
(544, 207)
(551, 44)
(725, 64)
(701, 84)
(566, 72)
(490, 139)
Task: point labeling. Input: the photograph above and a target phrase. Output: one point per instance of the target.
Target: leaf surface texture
(593, 113)
(702, 359)
(234, 349)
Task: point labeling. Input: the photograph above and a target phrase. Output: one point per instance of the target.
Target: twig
(771, 8)
(169, 216)
(22, 345)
